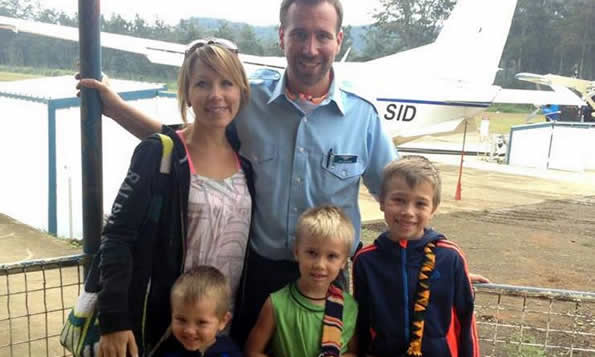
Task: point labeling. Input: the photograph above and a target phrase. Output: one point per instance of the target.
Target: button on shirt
(297, 159)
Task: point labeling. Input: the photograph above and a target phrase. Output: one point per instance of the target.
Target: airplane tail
(469, 46)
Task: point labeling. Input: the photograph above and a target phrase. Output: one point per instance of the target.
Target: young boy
(311, 317)
(412, 285)
(200, 302)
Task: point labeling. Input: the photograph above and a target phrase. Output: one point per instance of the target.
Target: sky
(254, 12)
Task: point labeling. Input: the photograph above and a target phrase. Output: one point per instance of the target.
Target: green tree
(379, 42)
(413, 22)
(248, 43)
(225, 31)
(187, 31)
(347, 44)
(22, 9)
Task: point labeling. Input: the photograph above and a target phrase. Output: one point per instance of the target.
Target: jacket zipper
(144, 319)
(183, 233)
(405, 292)
(183, 236)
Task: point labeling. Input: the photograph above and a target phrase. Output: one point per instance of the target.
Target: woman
(174, 212)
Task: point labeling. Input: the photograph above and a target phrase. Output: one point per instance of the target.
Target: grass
(500, 123)
(11, 73)
(511, 108)
(10, 76)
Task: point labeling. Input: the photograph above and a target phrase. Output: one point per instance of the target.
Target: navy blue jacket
(385, 278)
(223, 347)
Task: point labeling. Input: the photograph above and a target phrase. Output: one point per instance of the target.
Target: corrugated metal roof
(63, 87)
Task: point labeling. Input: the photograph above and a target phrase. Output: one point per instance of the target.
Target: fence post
(91, 148)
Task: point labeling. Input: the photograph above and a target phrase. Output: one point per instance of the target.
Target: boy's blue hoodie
(223, 347)
(385, 278)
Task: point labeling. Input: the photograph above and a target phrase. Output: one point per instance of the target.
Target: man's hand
(116, 344)
(477, 278)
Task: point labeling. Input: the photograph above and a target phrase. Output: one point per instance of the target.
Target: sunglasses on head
(221, 42)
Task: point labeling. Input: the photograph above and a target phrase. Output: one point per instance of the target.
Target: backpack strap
(168, 146)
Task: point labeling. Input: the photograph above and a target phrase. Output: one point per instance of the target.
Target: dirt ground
(514, 229)
(517, 227)
(549, 244)
(519, 230)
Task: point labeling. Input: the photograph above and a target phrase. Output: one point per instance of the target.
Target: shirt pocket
(264, 159)
(343, 171)
(340, 180)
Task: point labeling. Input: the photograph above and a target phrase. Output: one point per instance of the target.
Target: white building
(40, 149)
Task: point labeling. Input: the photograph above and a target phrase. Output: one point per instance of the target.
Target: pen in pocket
(329, 158)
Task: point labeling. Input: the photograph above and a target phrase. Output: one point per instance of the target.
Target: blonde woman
(205, 204)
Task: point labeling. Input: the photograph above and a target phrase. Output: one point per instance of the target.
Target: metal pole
(458, 190)
(90, 58)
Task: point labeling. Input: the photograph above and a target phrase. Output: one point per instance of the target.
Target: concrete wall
(24, 156)
(24, 161)
(562, 146)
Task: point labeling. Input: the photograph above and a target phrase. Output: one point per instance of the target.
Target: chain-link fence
(36, 296)
(35, 299)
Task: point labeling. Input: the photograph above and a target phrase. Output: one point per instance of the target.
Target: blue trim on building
(52, 195)
(167, 94)
(450, 104)
(141, 94)
(63, 103)
(23, 97)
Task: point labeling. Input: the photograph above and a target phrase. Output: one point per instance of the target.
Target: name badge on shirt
(344, 159)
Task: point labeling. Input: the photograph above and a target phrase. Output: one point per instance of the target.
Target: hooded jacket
(223, 347)
(143, 244)
(385, 277)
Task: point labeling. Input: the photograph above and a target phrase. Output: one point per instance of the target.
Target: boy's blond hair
(413, 169)
(203, 282)
(325, 222)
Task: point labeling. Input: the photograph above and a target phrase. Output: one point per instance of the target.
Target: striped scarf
(332, 323)
(422, 294)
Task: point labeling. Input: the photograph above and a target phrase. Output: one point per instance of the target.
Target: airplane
(585, 88)
(429, 90)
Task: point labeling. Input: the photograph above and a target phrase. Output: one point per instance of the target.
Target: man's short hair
(413, 169)
(285, 4)
(203, 282)
(325, 222)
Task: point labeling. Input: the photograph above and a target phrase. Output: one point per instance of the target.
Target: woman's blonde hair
(218, 59)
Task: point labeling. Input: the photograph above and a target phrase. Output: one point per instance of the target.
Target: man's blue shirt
(306, 160)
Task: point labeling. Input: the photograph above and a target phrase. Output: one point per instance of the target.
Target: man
(310, 141)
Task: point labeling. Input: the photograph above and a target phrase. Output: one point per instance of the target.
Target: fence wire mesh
(36, 297)
(525, 321)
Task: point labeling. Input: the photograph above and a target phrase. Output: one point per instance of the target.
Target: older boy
(412, 284)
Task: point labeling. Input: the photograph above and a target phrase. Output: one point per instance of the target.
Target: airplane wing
(584, 87)
(161, 52)
(560, 95)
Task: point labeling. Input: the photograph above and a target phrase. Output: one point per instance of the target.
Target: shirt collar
(334, 92)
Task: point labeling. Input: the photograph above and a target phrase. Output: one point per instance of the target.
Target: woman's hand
(116, 344)
(130, 118)
(112, 103)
